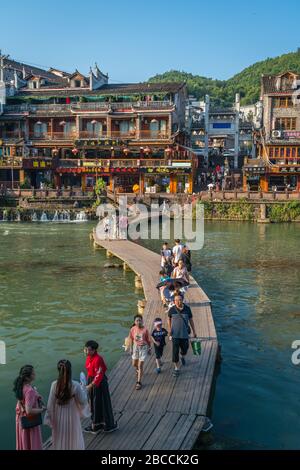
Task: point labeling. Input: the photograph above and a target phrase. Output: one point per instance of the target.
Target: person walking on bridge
(141, 346)
(180, 322)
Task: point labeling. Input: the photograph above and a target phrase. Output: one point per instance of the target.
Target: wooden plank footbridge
(168, 412)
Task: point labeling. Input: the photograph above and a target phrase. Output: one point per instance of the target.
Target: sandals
(138, 386)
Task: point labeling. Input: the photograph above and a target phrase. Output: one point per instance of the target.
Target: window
(283, 102)
(77, 83)
(126, 127)
(40, 129)
(285, 124)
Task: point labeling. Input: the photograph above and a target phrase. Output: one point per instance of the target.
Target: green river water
(55, 294)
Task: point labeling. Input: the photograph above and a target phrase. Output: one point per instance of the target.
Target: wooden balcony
(51, 136)
(11, 135)
(101, 107)
(10, 162)
(123, 163)
(130, 135)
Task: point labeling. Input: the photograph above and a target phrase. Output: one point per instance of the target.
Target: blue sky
(133, 40)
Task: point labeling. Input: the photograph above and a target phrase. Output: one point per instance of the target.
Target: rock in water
(112, 265)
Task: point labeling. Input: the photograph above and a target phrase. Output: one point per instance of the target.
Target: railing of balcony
(53, 136)
(11, 134)
(119, 162)
(145, 134)
(11, 162)
(96, 106)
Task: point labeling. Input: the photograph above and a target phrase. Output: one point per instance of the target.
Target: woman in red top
(100, 402)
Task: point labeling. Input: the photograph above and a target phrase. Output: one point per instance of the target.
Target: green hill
(247, 82)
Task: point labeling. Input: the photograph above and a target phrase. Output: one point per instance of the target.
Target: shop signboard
(37, 164)
(181, 164)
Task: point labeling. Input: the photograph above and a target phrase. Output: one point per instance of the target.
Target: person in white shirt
(177, 250)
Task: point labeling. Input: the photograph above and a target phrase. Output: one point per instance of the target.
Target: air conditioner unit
(276, 134)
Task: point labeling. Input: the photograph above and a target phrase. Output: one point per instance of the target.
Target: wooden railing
(96, 106)
(53, 136)
(121, 162)
(16, 134)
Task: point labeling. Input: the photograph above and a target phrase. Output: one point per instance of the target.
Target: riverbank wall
(259, 211)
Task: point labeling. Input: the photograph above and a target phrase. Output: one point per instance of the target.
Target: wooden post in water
(138, 282)
(126, 267)
(141, 306)
(109, 254)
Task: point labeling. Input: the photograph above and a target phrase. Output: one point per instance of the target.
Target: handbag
(30, 421)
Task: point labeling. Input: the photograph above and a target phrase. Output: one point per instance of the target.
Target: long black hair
(24, 376)
(63, 392)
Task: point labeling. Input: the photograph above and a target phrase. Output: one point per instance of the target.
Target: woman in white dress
(67, 404)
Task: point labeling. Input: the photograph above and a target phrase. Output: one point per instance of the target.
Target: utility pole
(206, 128)
(2, 82)
(237, 131)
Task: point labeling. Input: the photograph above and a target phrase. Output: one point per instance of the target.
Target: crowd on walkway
(69, 400)
(174, 282)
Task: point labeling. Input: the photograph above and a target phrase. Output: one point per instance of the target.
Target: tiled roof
(31, 70)
(120, 89)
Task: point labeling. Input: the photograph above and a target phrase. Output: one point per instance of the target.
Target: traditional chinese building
(69, 129)
(278, 140)
(221, 132)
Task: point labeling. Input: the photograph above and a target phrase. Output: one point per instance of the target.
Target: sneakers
(138, 386)
(94, 430)
(183, 361)
(176, 372)
(158, 370)
(112, 429)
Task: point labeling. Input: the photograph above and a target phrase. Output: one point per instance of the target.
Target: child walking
(158, 336)
(141, 346)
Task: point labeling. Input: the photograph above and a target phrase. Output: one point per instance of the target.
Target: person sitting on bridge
(141, 346)
(180, 322)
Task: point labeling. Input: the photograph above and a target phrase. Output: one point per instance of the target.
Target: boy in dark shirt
(158, 336)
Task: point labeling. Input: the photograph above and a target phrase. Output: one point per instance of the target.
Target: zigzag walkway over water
(167, 413)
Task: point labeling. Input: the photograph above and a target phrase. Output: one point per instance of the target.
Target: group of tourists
(115, 227)
(69, 401)
(175, 268)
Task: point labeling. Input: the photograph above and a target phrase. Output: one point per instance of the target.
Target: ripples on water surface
(55, 294)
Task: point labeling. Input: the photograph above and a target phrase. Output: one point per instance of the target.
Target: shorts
(181, 345)
(140, 352)
(159, 350)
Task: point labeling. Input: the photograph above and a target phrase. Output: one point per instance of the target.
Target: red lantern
(75, 151)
